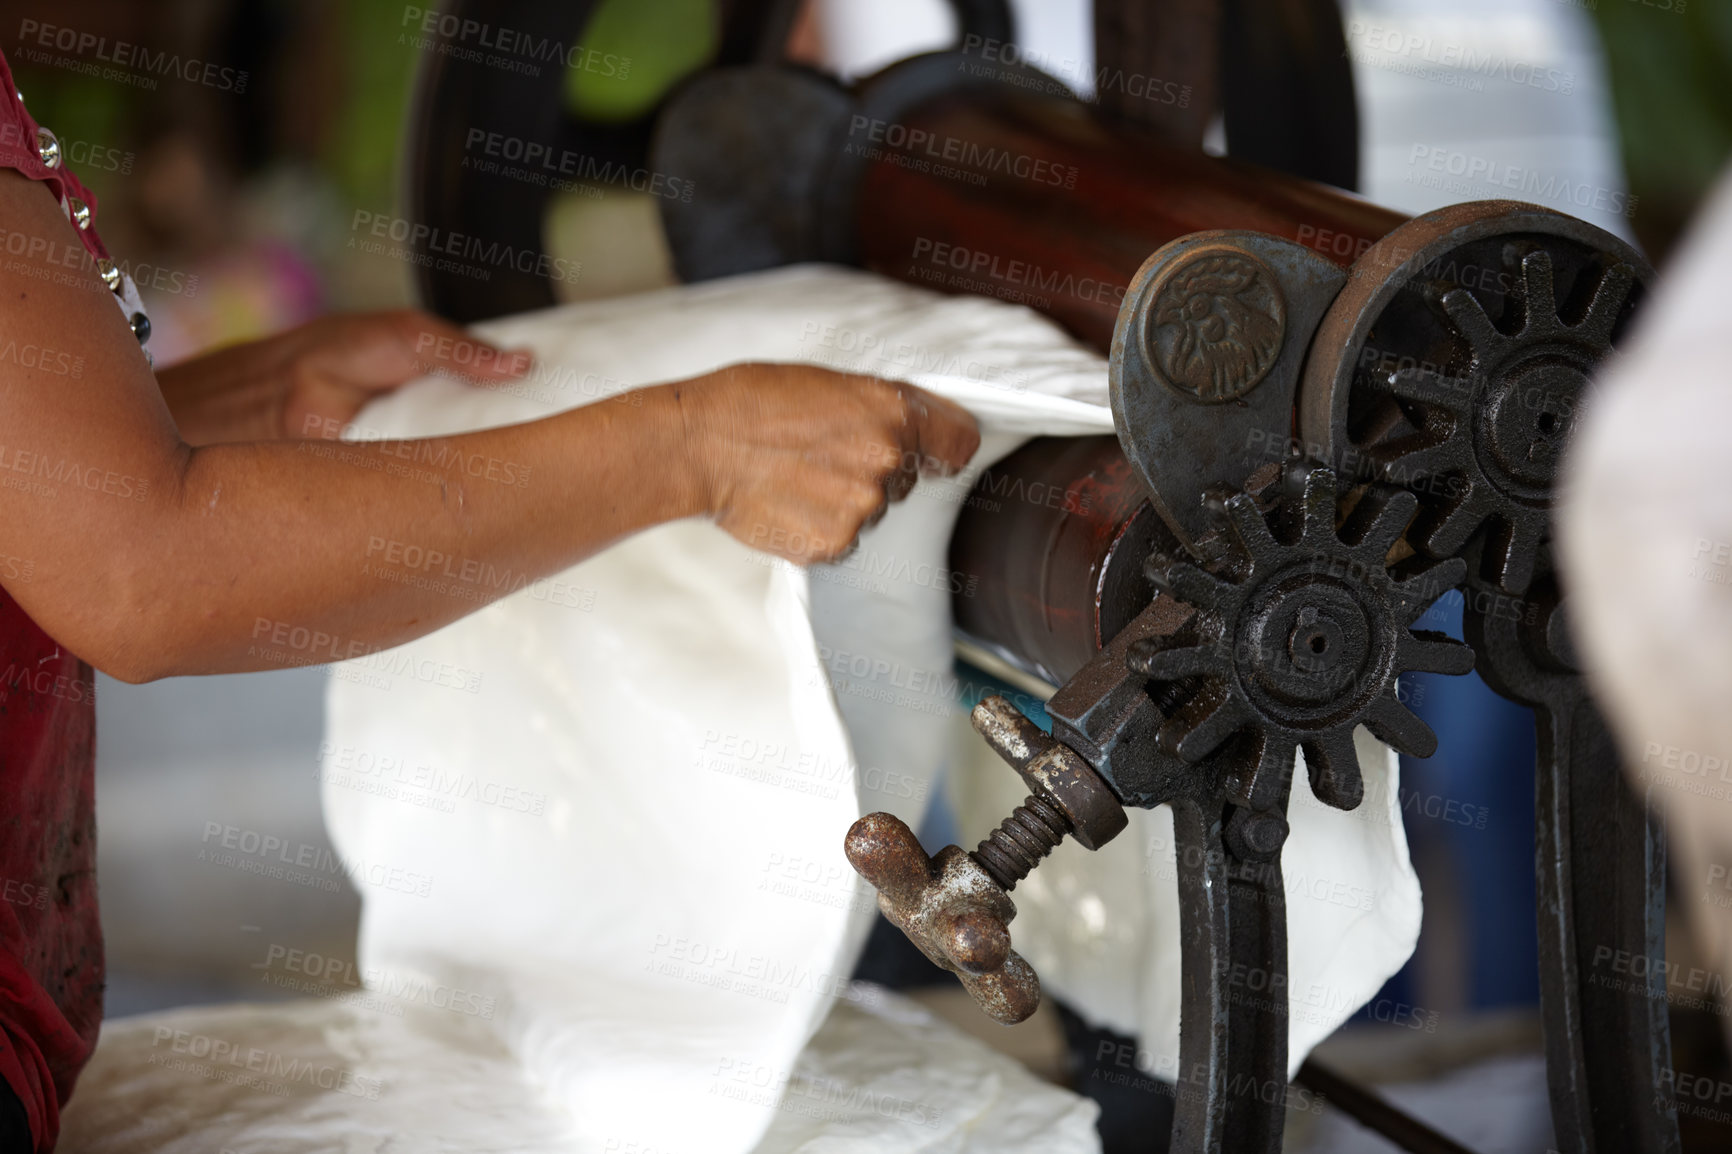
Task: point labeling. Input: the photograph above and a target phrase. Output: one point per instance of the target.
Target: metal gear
(1454, 363)
(1499, 428)
(1303, 646)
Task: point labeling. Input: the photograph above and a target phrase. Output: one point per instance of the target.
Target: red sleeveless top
(51, 967)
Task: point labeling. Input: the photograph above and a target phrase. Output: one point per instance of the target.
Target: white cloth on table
(683, 900)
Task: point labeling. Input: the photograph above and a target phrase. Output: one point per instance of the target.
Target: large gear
(1498, 428)
(1305, 645)
(1454, 363)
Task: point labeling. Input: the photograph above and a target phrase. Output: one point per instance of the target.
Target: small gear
(1305, 645)
(1498, 430)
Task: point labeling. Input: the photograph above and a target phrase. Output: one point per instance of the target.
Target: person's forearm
(381, 541)
(149, 557)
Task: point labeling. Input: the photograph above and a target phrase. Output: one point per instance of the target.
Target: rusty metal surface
(1206, 359)
(1055, 775)
(956, 907)
(951, 908)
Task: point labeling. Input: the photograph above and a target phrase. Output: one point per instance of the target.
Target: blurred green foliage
(1671, 72)
(378, 76)
(663, 40)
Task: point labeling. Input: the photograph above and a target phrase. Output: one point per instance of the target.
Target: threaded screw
(1011, 851)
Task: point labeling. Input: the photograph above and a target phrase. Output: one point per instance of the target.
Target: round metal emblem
(1216, 323)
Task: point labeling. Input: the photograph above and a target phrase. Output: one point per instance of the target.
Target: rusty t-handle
(956, 906)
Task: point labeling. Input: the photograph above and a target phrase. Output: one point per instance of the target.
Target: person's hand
(312, 380)
(339, 363)
(796, 460)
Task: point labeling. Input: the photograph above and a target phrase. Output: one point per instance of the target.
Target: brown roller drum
(1032, 199)
(1056, 533)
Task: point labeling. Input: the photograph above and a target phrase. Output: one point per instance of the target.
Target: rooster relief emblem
(1217, 325)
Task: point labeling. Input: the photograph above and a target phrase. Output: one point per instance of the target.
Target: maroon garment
(51, 968)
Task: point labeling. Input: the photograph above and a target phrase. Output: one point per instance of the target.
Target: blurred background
(232, 203)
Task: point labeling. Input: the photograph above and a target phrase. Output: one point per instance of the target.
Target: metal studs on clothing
(48, 147)
(78, 211)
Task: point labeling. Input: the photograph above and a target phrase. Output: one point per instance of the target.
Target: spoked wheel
(502, 86)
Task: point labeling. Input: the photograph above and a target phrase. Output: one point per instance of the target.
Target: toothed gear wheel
(1302, 648)
(1462, 356)
(1501, 426)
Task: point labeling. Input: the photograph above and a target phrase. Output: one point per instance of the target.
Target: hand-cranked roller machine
(1328, 415)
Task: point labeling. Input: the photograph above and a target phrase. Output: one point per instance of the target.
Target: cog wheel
(1305, 645)
(1454, 363)
(1498, 430)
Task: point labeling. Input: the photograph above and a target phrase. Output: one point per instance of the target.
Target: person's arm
(149, 558)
